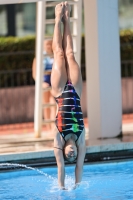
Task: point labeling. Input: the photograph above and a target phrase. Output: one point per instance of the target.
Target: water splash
(26, 167)
(69, 182)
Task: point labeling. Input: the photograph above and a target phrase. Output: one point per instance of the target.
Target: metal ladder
(76, 20)
(47, 105)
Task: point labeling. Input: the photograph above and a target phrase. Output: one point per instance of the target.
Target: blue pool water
(110, 181)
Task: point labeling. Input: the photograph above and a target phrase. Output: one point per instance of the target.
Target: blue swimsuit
(48, 63)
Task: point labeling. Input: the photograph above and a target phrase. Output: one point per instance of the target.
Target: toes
(66, 3)
(62, 4)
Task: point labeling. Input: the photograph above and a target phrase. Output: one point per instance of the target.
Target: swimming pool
(106, 181)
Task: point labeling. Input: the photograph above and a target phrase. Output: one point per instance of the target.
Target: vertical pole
(11, 20)
(77, 29)
(39, 68)
(103, 68)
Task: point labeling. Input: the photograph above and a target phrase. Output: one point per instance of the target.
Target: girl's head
(48, 46)
(70, 152)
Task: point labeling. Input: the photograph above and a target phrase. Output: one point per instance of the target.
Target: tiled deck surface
(18, 142)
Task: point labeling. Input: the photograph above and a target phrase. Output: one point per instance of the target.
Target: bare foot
(67, 10)
(59, 10)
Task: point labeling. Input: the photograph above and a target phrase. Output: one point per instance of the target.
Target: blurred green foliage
(126, 45)
(16, 53)
(126, 52)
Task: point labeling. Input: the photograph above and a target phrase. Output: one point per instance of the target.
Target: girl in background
(48, 113)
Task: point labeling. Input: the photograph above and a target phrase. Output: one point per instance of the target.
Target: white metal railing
(40, 30)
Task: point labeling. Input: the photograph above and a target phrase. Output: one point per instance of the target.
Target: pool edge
(95, 153)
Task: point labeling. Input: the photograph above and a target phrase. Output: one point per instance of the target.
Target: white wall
(103, 67)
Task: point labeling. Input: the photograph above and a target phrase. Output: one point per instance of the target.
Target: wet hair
(64, 155)
(67, 159)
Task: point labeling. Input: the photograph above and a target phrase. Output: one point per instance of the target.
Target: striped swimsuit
(69, 119)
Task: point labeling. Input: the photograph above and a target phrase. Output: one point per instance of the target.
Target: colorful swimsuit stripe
(69, 118)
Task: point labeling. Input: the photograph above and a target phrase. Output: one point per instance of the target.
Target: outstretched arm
(80, 160)
(79, 165)
(60, 160)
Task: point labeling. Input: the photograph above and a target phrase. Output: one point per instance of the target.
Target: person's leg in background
(46, 99)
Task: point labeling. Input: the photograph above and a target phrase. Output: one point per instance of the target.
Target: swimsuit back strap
(58, 148)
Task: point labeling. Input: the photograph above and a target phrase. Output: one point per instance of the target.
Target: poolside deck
(19, 144)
